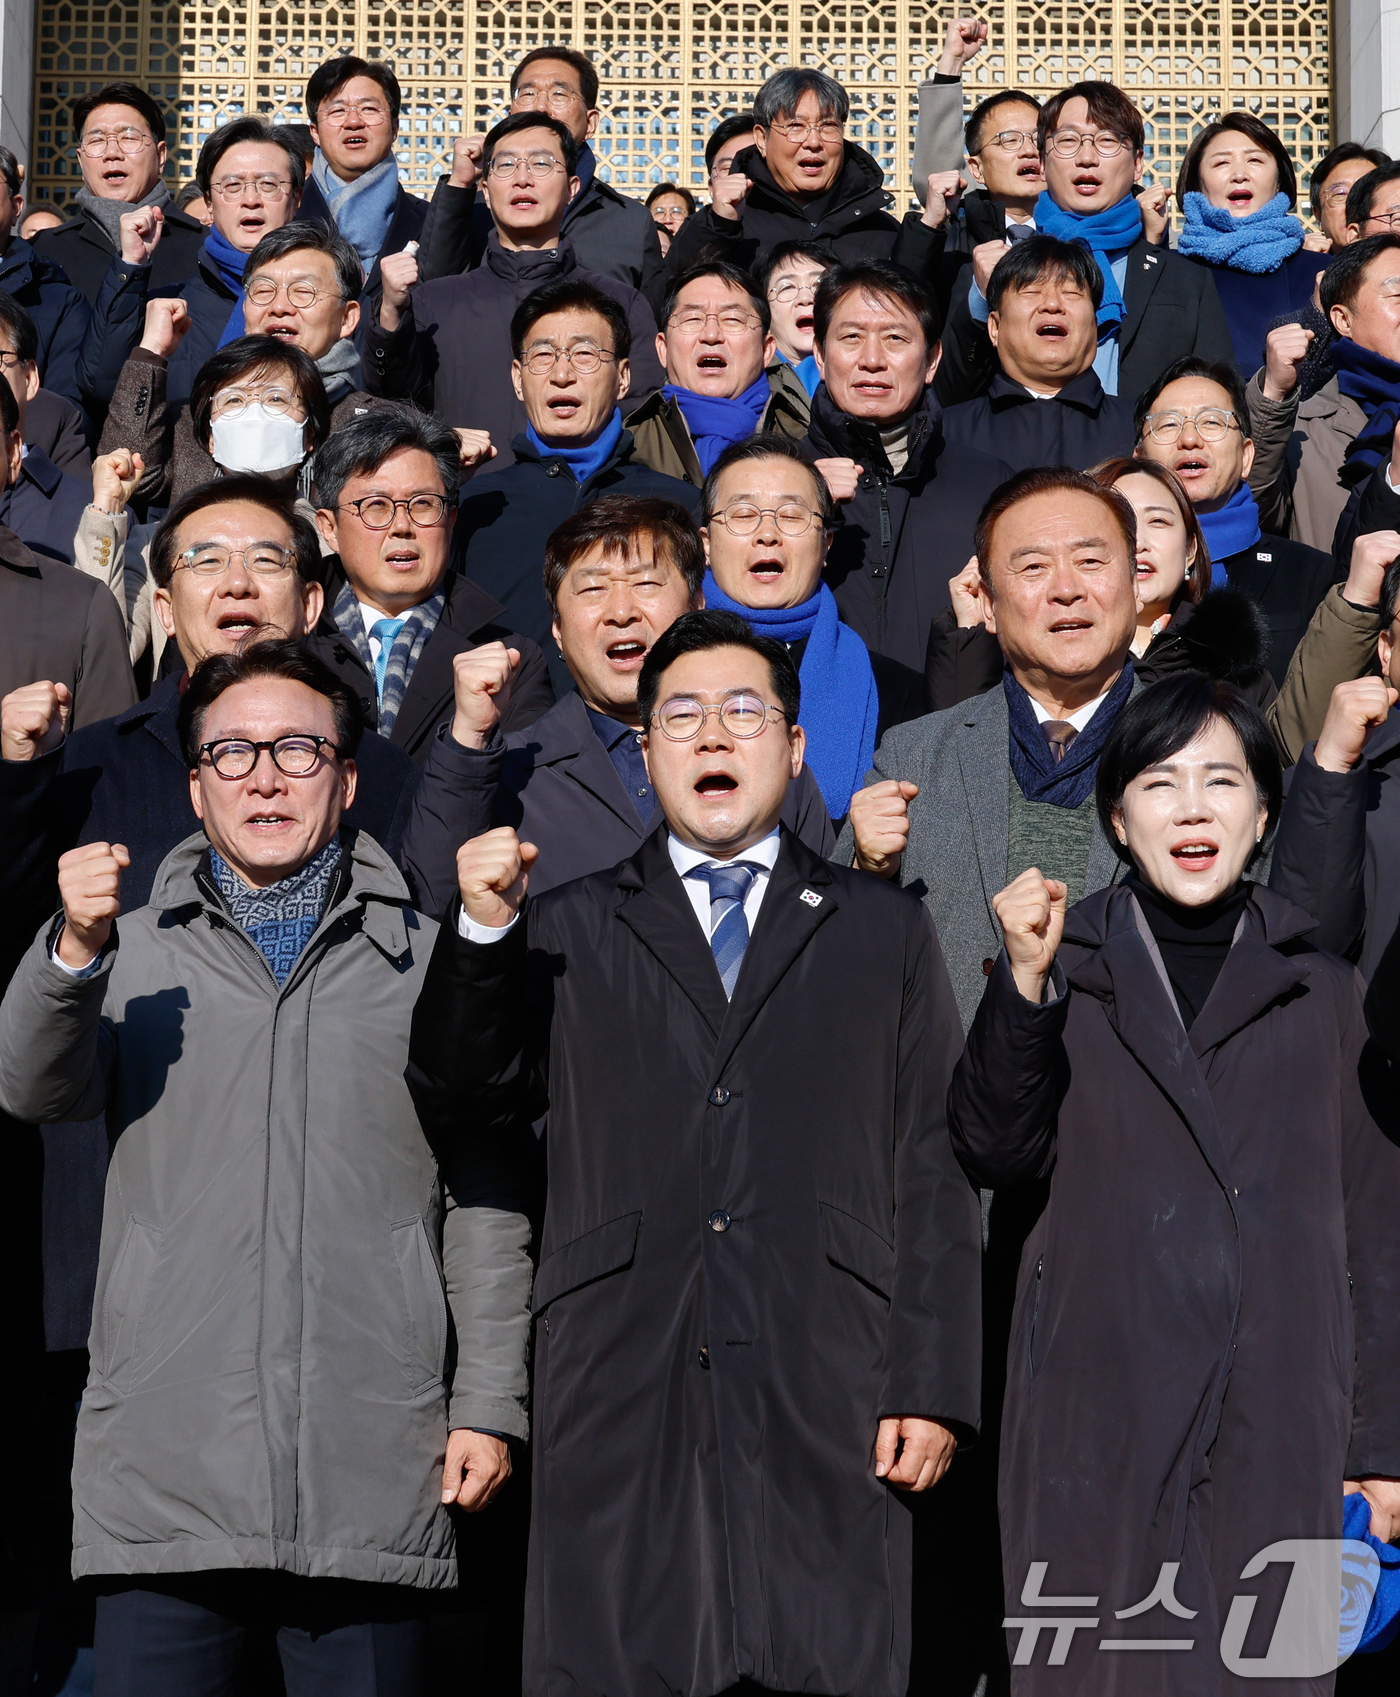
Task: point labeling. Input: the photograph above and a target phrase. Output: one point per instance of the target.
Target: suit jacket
(56, 425)
(958, 827)
(1079, 427)
(82, 249)
(410, 213)
(61, 316)
(45, 506)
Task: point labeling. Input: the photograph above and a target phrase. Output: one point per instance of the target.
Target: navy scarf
(1233, 527)
(1374, 381)
(1071, 782)
(229, 263)
(716, 422)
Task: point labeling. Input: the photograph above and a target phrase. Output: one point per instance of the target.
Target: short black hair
(245, 355)
(1263, 135)
(329, 78)
(222, 491)
(886, 281)
(1161, 720)
(780, 94)
(1341, 281)
(1390, 589)
(766, 445)
(243, 130)
(699, 633)
(726, 273)
(612, 523)
(580, 62)
(1108, 108)
(9, 409)
(1342, 154)
(673, 188)
(570, 294)
(316, 236)
(16, 323)
(776, 258)
(519, 121)
(271, 658)
(741, 124)
(1027, 261)
(1362, 195)
(363, 445)
(9, 170)
(187, 195)
(119, 94)
(972, 130)
(1216, 371)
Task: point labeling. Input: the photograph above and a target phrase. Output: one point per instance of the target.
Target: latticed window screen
(672, 68)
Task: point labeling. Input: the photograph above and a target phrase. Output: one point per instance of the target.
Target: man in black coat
(910, 497)
(1194, 420)
(571, 344)
(446, 344)
(1046, 405)
(40, 503)
(61, 315)
(758, 1328)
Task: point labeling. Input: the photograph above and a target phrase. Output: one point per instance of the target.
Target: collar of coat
(19, 263)
(526, 452)
(38, 469)
(91, 231)
(836, 435)
(1084, 393)
(859, 189)
(15, 554)
(530, 267)
(1330, 402)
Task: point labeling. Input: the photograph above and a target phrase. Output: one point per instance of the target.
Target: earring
(1190, 572)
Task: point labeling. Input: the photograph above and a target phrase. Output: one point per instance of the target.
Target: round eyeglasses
(692, 320)
(742, 518)
(209, 559)
(293, 756)
(262, 291)
(538, 164)
(681, 720)
(131, 141)
(231, 403)
(376, 512)
(796, 132)
(1064, 144)
(1011, 141)
(791, 289)
(585, 359)
(1212, 424)
(270, 188)
(367, 111)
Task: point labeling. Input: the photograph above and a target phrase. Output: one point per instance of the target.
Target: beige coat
(1298, 451)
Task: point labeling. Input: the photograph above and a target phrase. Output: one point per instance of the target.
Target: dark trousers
(192, 1636)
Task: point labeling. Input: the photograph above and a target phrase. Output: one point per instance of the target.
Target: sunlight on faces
(315, 329)
(727, 154)
(529, 203)
(767, 569)
(1238, 174)
(22, 376)
(670, 211)
(715, 359)
(611, 610)
(552, 86)
(1385, 204)
(1373, 319)
(1192, 822)
(1046, 333)
(116, 175)
(217, 614)
(1164, 550)
(719, 792)
(1013, 175)
(1086, 182)
(792, 319)
(808, 167)
(1334, 204)
(1209, 472)
(268, 825)
(400, 567)
(1388, 649)
(568, 406)
(40, 219)
(364, 138)
(249, 215)
(875, 363)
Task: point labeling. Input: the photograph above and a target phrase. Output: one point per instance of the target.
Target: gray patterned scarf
(281, 919)
(419, 624)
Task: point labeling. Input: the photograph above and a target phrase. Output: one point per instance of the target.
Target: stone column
(1366, 44)
(17, 75)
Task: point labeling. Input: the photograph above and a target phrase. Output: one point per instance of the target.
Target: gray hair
(363, 445)
(779, 96)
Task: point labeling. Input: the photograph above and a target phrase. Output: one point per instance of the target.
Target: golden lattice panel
(671, 69)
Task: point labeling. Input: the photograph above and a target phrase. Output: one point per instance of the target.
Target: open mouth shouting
(1241, 198)
(712, 364)
(716, 783)
(238, 625)
(565, 406)
(767, 570)
(1193, 467)
(1197, 855)
(1052, 330)
(626, 655)
(1029, 169)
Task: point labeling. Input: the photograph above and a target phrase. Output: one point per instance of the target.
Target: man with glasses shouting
(756, 1311)
(445, 344)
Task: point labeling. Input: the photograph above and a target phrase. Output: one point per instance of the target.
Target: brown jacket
(1338, 645)
(1298, 451)
(662, 437)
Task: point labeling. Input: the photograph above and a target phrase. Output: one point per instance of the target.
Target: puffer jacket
(284, 1257)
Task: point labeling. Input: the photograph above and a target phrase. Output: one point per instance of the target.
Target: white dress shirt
(371, 617)
(1079, 718)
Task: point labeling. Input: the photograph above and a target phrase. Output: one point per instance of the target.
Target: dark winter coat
(1078, 428)
(61, 315)
(505, 516)
(57, 425)
(83, 251)
(756, 1245)
(1253, 303)
(451, 351)
(1207, 1332)
(1286, 581)
(901, 537)
(662, 437)
(410, 213)
(45, 506)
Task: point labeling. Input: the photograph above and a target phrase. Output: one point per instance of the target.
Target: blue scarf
(220, 252)
(1374, 381)
(363, 210)
(807, 374)
(840, 706)
(1104, 234)
(585, 460)
(715, 421)
(1257, 243)
(1370, 1612)
(1071, 782)
(1233, 527)
(281, 919)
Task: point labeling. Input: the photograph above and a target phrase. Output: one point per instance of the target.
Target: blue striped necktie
(729, 930)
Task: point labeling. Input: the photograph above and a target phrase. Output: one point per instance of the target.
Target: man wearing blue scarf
(1157, 306)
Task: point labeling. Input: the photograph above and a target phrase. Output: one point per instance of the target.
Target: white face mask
(257, 440)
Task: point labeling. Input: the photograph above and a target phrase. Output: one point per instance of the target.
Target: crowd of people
(733, 859)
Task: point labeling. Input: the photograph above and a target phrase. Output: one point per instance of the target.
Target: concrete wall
(1366, 45)
(16, 75)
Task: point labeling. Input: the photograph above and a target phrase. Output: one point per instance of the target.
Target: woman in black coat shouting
(1205, 1351)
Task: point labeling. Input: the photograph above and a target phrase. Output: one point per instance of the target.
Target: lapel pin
(811, 898)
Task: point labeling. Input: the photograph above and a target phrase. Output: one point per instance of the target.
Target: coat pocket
(424, 1302)
(858, 1249)
(124, 1302)
(606, 1249)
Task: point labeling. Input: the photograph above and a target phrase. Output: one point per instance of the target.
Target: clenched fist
(33, 720)
(842, 477)
(728, 192)
(167, 321)
(481, 691)
(89, 885)
(1371, 556)
(962, 40)
(399, 273)
(493, 871)
(1285, 349)
(1356, 709)
(114, 479)
(965, 592)
(1153, 203)
(473, 448)
(945, 190)
(466, 161)
(880, 820)
(984, 261)
(140, 234)
(1031, 913)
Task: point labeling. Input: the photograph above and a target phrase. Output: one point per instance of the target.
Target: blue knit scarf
(1257, 243)
(585, 461)
(1069, 783)
(363, 210)
(220, 252)
(840, 706)
(1233, 527)
(715, 421)
(1105, 233)
(1374, 381)
(281, 919)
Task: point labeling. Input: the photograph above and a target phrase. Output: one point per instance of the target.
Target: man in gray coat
(300, 1357)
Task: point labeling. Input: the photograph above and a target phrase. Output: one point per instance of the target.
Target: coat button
(718, 1096)
(987, 966)
(719, 1221)
(704, 1357)
(554, 469)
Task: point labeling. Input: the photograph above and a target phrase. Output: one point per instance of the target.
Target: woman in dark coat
(1206, 1343)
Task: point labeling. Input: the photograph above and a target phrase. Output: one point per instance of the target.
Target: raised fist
(167, 321)
(944, 192)
(963, 40)
(728, 192)
(140, 234)
(1031, 913)
(399, 273)
(466, 161)
(984, 261)
(33, 720)
(842, 477)
(1356, 709)
(1285, 349)
(114, 479)
(89, 885)
(482, 678)
(880, 820)
(493, 871)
